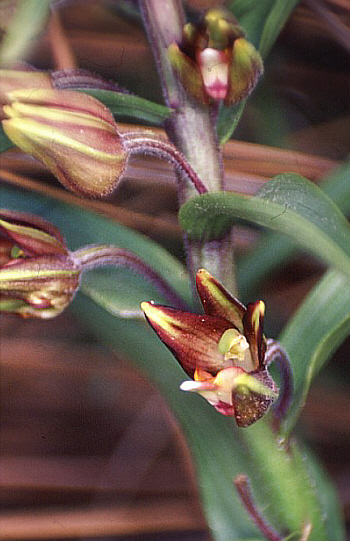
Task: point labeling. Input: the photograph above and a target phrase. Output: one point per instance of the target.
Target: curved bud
(73, 134)
(38, 287)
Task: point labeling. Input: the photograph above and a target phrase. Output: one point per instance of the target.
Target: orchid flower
(222, 351)
(214, 61)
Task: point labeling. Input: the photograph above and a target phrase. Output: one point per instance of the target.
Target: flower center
(214, 66)
(233, 345)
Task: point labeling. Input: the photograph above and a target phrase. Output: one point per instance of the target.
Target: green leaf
(263, 20)
(284, 482)
(5, 142)
(319, 326)
(274, 23)
(289, 204)
(274, 249)
(27, 22)
(131, 106)
(252, 15)
(228, 119)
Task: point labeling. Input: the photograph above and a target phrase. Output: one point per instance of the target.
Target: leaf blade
(319, 326)
(289, 204)
(274, 249)
(121, 103)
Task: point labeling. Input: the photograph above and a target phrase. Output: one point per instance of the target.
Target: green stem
(192, 130)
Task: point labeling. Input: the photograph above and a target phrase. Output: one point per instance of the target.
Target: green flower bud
(73, 134)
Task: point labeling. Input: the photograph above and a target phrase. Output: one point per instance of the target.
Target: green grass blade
(319, 326)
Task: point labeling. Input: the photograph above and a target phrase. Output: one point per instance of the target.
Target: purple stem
(93, 256)
(243, 487)
(161, 149)
(277, 354)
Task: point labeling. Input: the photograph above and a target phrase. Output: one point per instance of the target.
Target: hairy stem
(191, 128)
(245, 493)
(94, 256)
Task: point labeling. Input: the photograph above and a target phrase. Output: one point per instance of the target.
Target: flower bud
(38, 275)
(214, 61)
(73, 134)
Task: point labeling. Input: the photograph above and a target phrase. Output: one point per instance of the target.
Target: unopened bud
(72, 133)
(38, 276)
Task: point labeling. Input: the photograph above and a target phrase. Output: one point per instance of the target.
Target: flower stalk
(135, 144)
(244, 490)
(277, 355)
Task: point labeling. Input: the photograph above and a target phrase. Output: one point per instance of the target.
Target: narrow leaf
(274, 23)
(262, 21)
(316, 330)
(5, 142)
(131, 106)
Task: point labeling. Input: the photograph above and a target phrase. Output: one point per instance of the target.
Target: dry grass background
(81, 456)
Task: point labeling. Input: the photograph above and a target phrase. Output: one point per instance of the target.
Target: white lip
(214, 70)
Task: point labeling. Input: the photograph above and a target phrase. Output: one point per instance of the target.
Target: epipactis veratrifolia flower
(214, 61)
(223, 350)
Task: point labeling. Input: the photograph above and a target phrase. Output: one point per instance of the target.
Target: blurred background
(88, 448)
